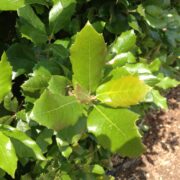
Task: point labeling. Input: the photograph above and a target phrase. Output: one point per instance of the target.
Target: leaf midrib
(109, 120)
(55, 109)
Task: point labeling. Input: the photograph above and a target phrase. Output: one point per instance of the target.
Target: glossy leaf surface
(16, 4)
(115, 130)
(5, 77)
(23, 144)
(88, 58)
(125, 42)
(31, 26)
(8, 158)
(122, 92)
(60, 14)
(56, 111)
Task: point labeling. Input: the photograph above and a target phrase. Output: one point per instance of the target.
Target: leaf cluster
(77, 77)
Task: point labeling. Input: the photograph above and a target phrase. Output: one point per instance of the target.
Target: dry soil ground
(162, 159)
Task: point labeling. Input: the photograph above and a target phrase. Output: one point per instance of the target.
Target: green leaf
(122, 92)
(88, 55)
(167, 82)
(115, 130)
(121, 59)
(60, 14)
(138, 68)
(72, 134)
(8, 160)
(56, 111)
(38, 81)
(49, 67)
(31, 26)
(118, 73)
(44, 139)
(155, 16)
(155, 65)
(97, 169)
(7, 5)
(21, 57)
(5, 77)
(125, 42)
(58, 84)
(59, 51)
(159, 100)
(35, 85)
(23, 144)
(11, 103)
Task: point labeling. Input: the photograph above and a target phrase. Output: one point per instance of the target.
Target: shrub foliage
(76, 78)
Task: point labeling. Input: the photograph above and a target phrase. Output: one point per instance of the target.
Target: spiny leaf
(122, 92)
(115, 130)
(88, 58)
(56, 111)
(5, 77)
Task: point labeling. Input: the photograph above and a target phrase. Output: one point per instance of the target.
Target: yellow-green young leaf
(115, 130)
(88, 58)
(56, 111)
(5, 76)
(122, 92)
(8, 158)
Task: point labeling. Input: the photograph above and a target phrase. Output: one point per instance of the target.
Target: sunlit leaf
(23, 144)
(125, 42)
(167, 82)
(16, 4)
(115, 130)
(159, 100)
(58, 84)
(60, 14)
(88, 58)
(122, 92)
(8, 158)
(5, 76)
(31, 26)
(56, 111)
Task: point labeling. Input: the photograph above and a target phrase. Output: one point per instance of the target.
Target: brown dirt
(162, 159)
